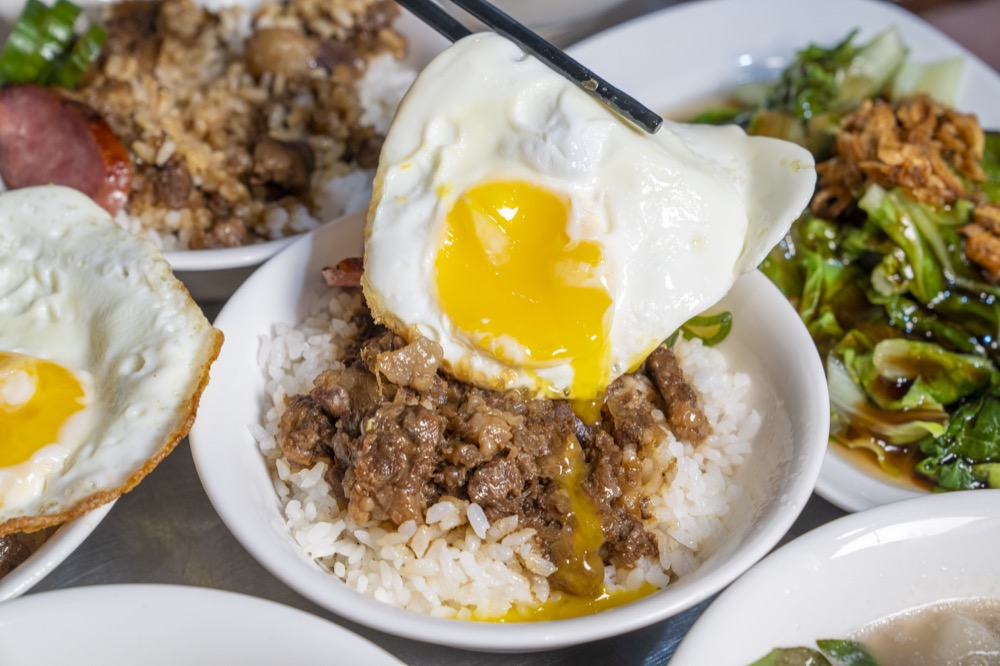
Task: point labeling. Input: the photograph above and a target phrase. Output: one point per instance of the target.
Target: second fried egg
(103, 356)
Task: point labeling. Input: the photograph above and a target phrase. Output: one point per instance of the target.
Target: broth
(962, 633)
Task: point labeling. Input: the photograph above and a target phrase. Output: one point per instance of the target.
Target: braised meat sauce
(398, 435)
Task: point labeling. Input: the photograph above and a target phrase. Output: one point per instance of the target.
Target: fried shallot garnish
(919, 145)
(982, 239)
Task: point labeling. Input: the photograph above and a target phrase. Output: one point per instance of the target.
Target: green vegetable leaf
(932, 377)
(43, 47)
(915, 320)
(962, 456)
(872, 68)
(857, 421)
(921, 273)
(822, 84)
(710, 329)
(989, 473)
(784, 269)
(991, 165)
(810, 84)
(797, 656)
(846, 653)
(929, 238)
(946, 471)
(832, 652)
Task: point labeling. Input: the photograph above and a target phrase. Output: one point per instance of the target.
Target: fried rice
(247, 126)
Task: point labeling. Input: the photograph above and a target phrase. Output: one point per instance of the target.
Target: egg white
(679, 214)
(78, 290)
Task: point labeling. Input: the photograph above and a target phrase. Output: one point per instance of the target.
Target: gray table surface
(166, 531)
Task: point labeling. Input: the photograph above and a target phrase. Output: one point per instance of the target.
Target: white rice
(459, 565)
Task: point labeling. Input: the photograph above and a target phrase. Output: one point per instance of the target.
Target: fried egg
(103, 356)
(545, 243)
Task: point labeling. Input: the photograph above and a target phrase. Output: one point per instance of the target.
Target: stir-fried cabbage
(907, 325)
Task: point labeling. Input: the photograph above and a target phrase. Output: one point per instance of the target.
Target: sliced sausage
(47, 139)
(345, 273)
(282, 51)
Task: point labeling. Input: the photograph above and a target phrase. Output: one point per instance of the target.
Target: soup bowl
(855, 571)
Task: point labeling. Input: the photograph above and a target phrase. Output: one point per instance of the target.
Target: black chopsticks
(628, 107)
(433, 15)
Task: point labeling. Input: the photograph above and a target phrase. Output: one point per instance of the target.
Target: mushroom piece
(282, 51)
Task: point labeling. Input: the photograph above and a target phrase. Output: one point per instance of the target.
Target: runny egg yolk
(508, 271)
(37, 398)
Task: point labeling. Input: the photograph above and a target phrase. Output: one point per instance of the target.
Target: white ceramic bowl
(768, 341)
(858, 569)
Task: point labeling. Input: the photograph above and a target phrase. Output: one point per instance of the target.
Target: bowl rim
(102, 623)
(226, 257)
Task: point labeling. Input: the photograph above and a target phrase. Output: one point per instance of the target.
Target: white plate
(165, 625)
(768, 341)
(858, 569)
(552, 17)
(695, 53)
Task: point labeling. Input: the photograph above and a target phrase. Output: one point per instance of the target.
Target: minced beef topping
(399, 435)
